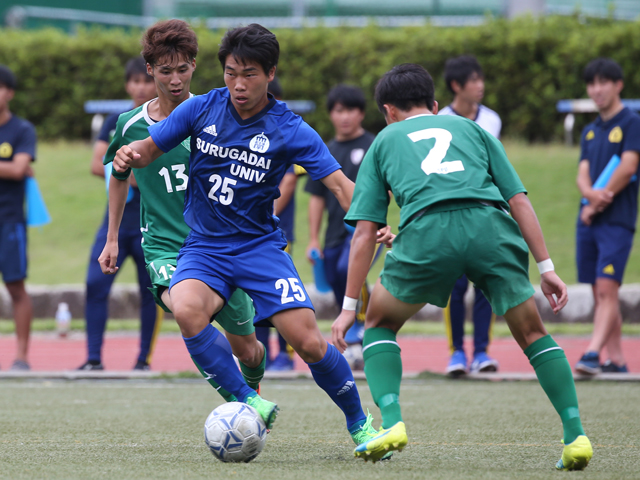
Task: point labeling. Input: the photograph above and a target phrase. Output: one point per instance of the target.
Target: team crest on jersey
(6, 150)
(186, 143)
(259, 143)
(615, 135)
(589, 136)
(357, 154)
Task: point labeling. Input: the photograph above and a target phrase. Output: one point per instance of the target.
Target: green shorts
(437, 248)
(236, 316)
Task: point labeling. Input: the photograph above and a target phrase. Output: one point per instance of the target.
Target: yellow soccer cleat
(394, 438)
(576, 455)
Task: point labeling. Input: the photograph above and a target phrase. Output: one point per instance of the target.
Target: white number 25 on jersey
(433, 162)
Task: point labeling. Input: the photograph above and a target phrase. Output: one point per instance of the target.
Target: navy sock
(334, 376)
(212, 352)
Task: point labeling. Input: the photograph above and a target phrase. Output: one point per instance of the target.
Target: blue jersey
(236, 165)
(599, 142)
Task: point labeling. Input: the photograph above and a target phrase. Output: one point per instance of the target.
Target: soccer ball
(235, 432)
(354, 357)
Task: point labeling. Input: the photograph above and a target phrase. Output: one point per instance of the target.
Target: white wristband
(349, 303)
(545, 266)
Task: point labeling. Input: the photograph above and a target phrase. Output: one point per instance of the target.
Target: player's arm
(623, 173)
(137, 154)
(362, 250)
(316, 209)
(99, 151)
(18, 168)
(598, 199)
(287, 187)
(523, 213)
(118, 192)
(341, 187)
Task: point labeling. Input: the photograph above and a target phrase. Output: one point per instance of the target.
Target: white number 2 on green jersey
(433, 162)
(180, 175)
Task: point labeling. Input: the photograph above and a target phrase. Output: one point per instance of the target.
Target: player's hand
(313, 245)
(124, 156)
(552, 285)
(587, 213)
(600, 199)
(339, 328)
(385, 236)
(108, 258)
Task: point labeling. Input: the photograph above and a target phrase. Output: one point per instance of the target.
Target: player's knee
(310, 348)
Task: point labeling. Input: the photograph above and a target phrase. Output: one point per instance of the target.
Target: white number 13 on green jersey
(433, 162)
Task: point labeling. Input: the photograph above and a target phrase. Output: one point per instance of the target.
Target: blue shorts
(259, 266)
(602, 251)
(13, 252)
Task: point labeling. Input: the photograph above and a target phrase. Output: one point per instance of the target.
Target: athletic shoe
(380, 445)
(356, 333)
(267, 410)
(20, 366)
(366, 433)
(576, 455)
(610, 367)
(282, 363)
(457, 364)
(589, 364)
(91, 365)
(141, 365)
(483, 363)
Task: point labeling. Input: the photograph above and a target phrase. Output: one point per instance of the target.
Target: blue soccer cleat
(483, 363)
(576, 455)
(457, 364)
(589, 364)
(610, 367)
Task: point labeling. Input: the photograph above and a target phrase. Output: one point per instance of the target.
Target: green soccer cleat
(378, 446)
(267, 410)
(366, 433)
(576, 455)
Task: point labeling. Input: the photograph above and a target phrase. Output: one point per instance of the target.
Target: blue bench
(584, 105)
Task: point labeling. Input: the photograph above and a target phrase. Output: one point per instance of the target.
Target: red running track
(50, 353)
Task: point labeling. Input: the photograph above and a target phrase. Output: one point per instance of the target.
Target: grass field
(457, 430)
(59, 251)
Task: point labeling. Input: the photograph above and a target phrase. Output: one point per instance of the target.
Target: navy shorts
(259, 266)
(602, 251)
(13, 252)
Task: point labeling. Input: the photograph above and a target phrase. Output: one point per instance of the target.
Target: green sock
(253, 376)
(383, 368)
(229, 397)
(554, 374)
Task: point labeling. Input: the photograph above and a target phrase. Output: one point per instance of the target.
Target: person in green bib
(455, 187)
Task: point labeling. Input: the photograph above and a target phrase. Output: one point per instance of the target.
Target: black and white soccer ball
(235, 432)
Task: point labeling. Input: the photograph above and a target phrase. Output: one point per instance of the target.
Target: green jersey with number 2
(428, 159)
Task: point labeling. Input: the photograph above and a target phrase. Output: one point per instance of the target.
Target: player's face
(604, 92)
(141, 88)
(247, 84)
(173, 78)
(473, 90)
(346, 121)
(6, 94)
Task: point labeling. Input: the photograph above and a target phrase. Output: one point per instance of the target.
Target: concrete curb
(124, 302)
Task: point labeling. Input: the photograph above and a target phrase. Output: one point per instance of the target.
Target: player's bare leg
(554, 373)
(606, 318)
(22, 314)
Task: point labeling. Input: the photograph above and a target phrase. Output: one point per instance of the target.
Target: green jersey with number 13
(162, 187)
(428, 159)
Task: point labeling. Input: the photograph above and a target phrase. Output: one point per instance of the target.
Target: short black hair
(7, 77)
(604, 68)
(136, 66)
(347, 95)
(405, 86)
(275, 88)
(252, 43)
(460, 69)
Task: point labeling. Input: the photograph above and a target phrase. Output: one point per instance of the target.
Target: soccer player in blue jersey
(607, 223)
(242, 142)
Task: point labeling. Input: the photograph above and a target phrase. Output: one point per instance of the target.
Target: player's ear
(434, 110)
(193, 63)
(272, 73)
(149, 70)
(455, 86)
(389, 113)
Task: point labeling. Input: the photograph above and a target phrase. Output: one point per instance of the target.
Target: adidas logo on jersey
(211, 130)
(347, 386)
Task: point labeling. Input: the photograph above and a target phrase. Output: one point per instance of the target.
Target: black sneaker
(141, 365)
(91, 365)
(610, 367)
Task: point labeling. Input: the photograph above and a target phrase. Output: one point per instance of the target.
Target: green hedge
(529, 65)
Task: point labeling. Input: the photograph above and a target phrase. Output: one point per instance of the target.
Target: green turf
(59, 252)
(457, 430)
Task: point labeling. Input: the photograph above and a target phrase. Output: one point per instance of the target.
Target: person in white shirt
(465, 79)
